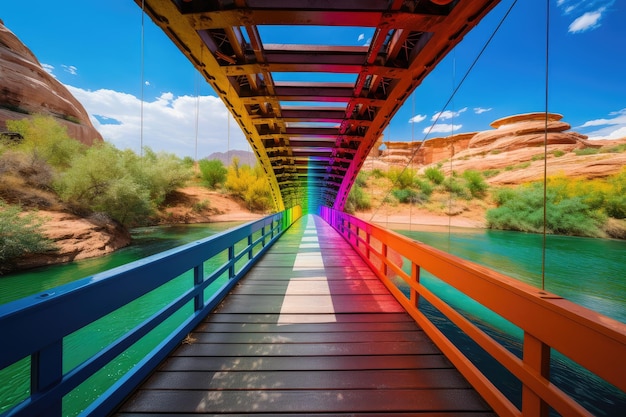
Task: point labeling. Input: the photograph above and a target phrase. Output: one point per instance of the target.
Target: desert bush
(435, 175)
(378, 173)
(457, 187)
(586, 151)
(121, 184)
(522, 209)
(45, 138)
(402, 178)
(361, 179)
(249, 184)
(476, 183)
(20, 234)
(357, 200)
(409, 195)
(158, 173)
(425, 187)
(213, 172)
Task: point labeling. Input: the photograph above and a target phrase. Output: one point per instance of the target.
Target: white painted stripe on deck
(307, 298)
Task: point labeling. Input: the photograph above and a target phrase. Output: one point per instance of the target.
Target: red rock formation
(514, 147)
(26, 88)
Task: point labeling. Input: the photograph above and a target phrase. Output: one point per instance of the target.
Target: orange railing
(593, 341)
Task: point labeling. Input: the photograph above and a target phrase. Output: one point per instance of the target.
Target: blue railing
(34, 329)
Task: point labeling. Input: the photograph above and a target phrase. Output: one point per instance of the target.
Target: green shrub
(586, 151)
(558, 153)
(357, 200)
(20, 234)
(491, 173)
(45, 138)
(213, 172)
(378, 173)
(361, 179)
(121, 184)
(522, 210)
(402, 178)
(408, 195)
(456, 187)
(476, 183)
(435, 175)
(425, 187)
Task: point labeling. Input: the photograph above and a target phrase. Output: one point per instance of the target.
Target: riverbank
(77, 238)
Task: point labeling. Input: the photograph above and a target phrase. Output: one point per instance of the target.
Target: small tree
(213, 172)
(45, 138)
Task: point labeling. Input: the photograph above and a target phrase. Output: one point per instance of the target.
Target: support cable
(467, 73)
(197, 88)
(142, 71)
(545, 151)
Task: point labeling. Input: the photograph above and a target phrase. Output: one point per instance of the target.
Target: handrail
(594, 341)
(35, 326)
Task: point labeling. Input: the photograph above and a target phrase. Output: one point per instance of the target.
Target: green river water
(591, 272)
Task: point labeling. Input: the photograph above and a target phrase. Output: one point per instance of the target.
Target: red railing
(593, 341)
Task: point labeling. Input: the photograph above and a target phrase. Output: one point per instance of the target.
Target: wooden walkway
(309, 331)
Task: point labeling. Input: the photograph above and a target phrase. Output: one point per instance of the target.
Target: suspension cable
(142, 80)
(456, 89)
(545, 151)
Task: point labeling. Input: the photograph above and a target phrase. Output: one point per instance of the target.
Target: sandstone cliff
(515, 147)
(26, 89)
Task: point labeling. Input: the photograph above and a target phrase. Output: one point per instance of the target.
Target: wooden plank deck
(309, 331)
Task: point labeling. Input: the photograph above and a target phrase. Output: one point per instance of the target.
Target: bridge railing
(548, 322)
(34, 330)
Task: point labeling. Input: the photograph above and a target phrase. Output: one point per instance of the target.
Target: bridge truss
(311, 138)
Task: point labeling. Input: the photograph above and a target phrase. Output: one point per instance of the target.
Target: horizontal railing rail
(594, 341)
(35, 327)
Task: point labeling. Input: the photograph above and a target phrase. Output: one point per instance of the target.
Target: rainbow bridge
(310, 311)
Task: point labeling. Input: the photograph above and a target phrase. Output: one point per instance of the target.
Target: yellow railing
(594, 341)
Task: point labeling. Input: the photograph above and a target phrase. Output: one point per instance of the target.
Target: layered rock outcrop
(515, 147)
(26, 89)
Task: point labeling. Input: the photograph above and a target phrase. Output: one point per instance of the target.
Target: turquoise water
(84, 343)
(590, 272)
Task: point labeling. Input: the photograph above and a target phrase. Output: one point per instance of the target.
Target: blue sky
(94, 48)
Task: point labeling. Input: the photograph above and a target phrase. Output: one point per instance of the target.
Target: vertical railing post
(46, 370)
(368, 243)
(263, 236)
(415, 278)
(537, 357)
(250, 248)
(198, 277)
(231, 258)
(383, 258)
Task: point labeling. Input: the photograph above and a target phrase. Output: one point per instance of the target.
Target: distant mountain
(245, 157)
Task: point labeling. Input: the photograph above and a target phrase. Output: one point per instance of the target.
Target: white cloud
(611, 128)
(443, 128)
(70, 69)
(367, 42)
(481, 110)
(361, 37)
(447, 114)
(585, 22)
(417, 118)
(589, 13)
(49, 69)
(169, 122)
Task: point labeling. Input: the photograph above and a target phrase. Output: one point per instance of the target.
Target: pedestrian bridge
(311, 137)
(310, 311)
(305, 315)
